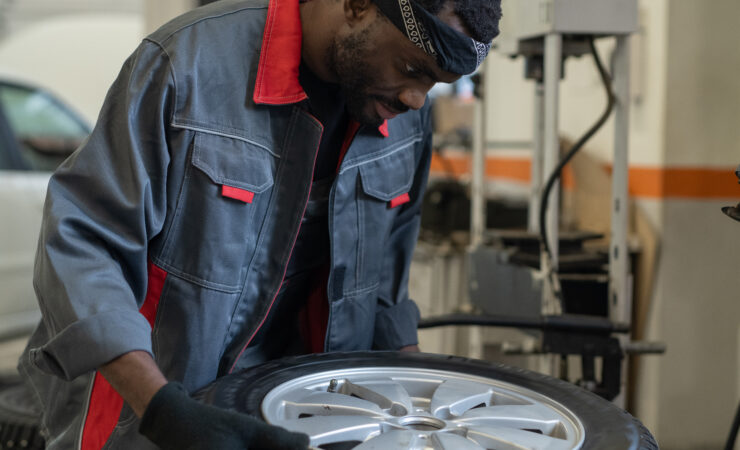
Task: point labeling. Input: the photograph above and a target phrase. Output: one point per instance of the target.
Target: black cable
(734, 430)
(555, 175)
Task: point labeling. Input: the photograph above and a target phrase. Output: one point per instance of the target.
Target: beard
(348, 58)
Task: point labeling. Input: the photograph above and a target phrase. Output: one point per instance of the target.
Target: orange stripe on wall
(683, 182)
(647, 182)
(512, 169)
(450, 165)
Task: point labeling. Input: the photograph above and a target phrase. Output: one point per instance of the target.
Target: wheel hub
(422, 423)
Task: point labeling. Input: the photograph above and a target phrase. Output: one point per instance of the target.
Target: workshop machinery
(575, 299)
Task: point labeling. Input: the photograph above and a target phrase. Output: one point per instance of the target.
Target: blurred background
(58, 58)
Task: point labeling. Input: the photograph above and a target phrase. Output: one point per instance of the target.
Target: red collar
(277, 76)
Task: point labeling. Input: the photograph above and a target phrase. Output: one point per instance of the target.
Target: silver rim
(409, 408)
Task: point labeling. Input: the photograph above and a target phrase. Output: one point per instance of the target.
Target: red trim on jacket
(351, 132)
(277, 75)
(384, 129)
(400, 200)
(102, 414)
(314, 317)
(106, 404)
(242, 195)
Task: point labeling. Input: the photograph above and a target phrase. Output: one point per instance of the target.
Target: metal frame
(545, 157)
(620, 283)
(551, 157)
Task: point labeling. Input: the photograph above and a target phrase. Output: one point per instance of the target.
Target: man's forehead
(427, 64)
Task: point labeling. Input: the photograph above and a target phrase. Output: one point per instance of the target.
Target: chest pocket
(389, 177)
(386, 185)
(225, 195)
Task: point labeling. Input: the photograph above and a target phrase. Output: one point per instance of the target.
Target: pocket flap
(390, 176)
(233, 162)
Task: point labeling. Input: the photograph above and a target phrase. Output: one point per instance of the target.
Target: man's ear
(356, 10)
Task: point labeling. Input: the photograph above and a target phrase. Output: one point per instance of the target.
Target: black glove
(174, 421)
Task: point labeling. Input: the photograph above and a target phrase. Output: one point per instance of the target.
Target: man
(251, 190)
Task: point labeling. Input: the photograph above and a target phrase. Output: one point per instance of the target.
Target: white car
(37, 132)
(75, 57)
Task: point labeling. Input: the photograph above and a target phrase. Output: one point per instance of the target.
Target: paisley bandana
(454, 51)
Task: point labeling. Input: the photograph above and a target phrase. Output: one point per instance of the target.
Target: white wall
(158, 12)
(75, 56)
(75, 48)
(20, 13)
(690, 394)
(703, 110)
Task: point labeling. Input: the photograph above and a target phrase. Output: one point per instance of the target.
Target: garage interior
(646, 263)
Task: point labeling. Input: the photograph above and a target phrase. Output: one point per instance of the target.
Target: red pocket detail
(400, 200)
(237, 194)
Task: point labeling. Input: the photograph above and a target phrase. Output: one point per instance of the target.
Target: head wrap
(454, 51)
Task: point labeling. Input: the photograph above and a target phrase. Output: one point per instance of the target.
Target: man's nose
(414, 98)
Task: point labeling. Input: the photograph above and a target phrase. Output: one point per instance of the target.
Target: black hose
(733, 431)
(564, 322)
(555, 175)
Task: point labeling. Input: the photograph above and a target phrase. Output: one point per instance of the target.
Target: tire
(520, 409)
(19, 418)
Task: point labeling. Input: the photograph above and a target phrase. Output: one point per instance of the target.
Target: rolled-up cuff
(92, 342)
(395, 327)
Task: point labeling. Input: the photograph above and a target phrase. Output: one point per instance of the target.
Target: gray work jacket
(170, 229)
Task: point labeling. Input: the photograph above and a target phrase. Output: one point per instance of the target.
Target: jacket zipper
(353, 129)
(290, 255)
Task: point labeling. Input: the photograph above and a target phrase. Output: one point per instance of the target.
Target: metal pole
(551, 154)
(620, 281)
(553, 64)
(537, 155)
(619, 270)
(478, 188)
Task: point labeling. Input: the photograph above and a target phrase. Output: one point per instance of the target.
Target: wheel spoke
(396, 439)
(328, 430)
(385, 392)
(502, 438)
(329, 404)
(454, 397)
(451, 441)
(525, 417)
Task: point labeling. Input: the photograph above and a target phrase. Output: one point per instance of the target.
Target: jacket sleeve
(397, 316)
(103, 205)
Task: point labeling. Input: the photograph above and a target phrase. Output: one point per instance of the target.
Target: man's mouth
(385, 111)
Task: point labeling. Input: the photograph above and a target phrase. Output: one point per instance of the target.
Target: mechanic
(251, 190)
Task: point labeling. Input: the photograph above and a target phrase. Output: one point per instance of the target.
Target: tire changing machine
(579, 307)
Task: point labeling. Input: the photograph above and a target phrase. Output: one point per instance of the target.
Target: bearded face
(353, 59)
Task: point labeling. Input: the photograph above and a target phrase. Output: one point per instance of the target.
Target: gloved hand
(174, 421)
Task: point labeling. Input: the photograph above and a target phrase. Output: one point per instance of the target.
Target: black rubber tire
(19, 418)
(607, 427)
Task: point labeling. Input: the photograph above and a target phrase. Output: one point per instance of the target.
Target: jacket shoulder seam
(202, 19)
(172, 74)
